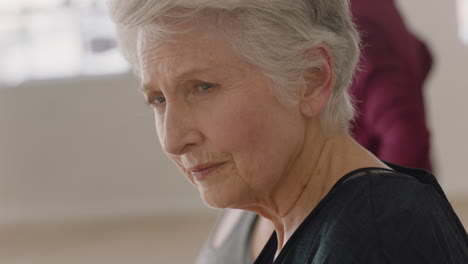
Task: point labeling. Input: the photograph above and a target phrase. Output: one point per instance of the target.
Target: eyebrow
(145, 87)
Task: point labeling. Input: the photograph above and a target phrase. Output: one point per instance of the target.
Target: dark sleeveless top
(235, 249)
(377, 216)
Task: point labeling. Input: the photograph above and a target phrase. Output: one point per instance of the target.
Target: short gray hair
(275, 36)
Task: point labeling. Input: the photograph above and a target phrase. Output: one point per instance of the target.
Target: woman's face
(217, 116)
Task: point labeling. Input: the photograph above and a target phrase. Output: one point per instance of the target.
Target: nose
(178, 131)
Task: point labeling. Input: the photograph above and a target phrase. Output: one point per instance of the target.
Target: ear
(319, 82)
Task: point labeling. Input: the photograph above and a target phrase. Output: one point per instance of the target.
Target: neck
(322, 161)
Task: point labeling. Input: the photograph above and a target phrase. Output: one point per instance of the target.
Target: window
(463, 19)
(43, 39)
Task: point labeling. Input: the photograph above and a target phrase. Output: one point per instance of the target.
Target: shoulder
(400, 195)
(395, 189)
(414, 222)
(399, 191)
(405, 193)
(381, 216)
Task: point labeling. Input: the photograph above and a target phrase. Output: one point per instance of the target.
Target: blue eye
(156, 101)
(205, 86)
(160, 99)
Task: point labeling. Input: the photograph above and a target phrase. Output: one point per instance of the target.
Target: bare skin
(338, 156)
(263, 227)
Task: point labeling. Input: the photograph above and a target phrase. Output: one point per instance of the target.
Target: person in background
(388, 89)
(390, 120)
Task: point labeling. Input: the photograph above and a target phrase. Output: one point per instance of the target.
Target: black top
(379, 216)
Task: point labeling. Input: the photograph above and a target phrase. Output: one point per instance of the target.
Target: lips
(200, 172)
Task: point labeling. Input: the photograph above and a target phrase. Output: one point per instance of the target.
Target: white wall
(84, 148)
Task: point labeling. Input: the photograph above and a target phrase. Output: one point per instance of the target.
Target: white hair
(275, 35)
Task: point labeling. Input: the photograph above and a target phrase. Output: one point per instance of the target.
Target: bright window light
(45, 39)
(463, 19)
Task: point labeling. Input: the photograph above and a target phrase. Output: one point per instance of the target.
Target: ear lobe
(319, 82)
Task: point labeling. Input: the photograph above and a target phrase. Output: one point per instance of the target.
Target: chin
(219, 199)
(216, 203)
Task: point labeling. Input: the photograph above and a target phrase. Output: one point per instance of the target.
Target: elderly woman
(250, 101)
(391, 124)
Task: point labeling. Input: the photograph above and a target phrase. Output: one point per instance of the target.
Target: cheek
(262, 141)
(234, 129)
(159, 126)
(247, 134)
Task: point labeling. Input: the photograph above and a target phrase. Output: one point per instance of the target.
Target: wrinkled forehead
(195, 44)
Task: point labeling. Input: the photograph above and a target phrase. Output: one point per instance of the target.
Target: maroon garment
(390, 118)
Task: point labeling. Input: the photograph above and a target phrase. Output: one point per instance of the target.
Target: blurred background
(82, 176)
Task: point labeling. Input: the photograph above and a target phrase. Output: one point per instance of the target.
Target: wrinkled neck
(319, 166)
